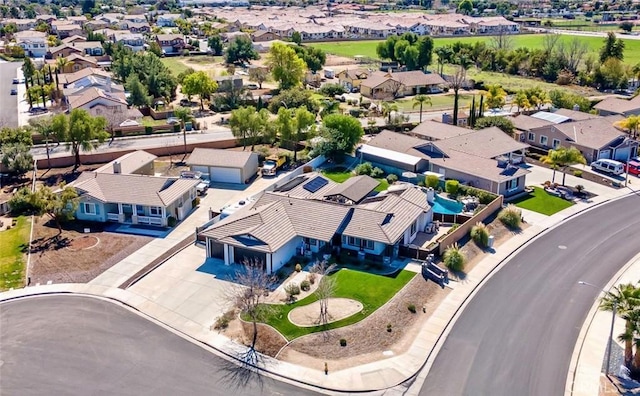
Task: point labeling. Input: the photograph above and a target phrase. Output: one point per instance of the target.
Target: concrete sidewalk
(383, 374)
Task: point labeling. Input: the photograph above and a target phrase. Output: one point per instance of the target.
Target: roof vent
(117, 167)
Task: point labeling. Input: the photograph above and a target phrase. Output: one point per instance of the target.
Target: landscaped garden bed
(541, 201)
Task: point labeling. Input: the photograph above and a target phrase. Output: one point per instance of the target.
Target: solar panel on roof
(291, 184)
(315, 184)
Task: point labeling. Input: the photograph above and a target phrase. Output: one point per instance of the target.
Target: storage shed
(224, 166)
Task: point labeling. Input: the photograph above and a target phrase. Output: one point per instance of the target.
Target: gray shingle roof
(485, 143)
(132, 189)
(129, 163)
(435, 130)
(618, 106)
(355, 188)
(219, 158)
(524, 122)
(595, 133)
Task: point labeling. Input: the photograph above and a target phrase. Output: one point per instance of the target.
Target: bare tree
(252, 285)
(502, 41)
(457, 81)
(326, 288)
(549, 42)
(114, 119)
(573, 53)
(395, 86)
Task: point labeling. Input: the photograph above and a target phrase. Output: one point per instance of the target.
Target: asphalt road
(517, 335)
(8, 102)
(67, 345)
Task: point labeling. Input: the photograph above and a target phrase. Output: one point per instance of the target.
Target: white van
(608, 166)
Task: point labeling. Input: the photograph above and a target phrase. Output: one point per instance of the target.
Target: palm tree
(62, 63)
(387, 109)
(631, 123)
(495, 96)
(522, 101)
(184, 115)
(625, 299)
(567, 157)
(421, 100)
(552, 160)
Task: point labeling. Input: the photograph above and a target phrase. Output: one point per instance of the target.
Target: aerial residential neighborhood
(251, 197)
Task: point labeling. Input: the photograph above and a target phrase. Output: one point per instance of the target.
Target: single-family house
(352, 78)
(96, 24)
(46, 18)
(34, 43)
(624, 107)
(68, 30)
(133, 198)
(229, 83)
(141, 27)
(167, 20)
(134, 41)
(381, 85)
(78, 62)
(98, 102)
(92, 81)
(74, 39)
(77, 19)
(171, 43)
(63, 51)
(69, 78)
(135, 18)
(485, 159)
(596, 138)
(278, 225)
(264, 35)
(224, 166)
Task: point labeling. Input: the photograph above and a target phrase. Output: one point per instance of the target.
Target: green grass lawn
(368, 47)
(175, 64)
(149, 121)
(371, 290)
(12, 263)
(340, 176)
(541, 202)
(438, 102)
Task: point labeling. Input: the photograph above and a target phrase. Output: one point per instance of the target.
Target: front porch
(137, 214)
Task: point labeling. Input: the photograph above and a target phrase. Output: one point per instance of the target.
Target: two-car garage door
(220, 175)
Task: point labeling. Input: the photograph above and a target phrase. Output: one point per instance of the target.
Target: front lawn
(340, 175)
(13, 243)
(371, 290)
(542, 202)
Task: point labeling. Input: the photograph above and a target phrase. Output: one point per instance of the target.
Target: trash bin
(490, 241)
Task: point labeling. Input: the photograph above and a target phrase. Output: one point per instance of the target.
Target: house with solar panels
(312, 215)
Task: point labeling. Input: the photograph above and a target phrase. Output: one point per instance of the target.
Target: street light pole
(626, 170)
(613, 320)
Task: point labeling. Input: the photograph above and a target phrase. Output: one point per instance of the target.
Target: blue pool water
(446, 206)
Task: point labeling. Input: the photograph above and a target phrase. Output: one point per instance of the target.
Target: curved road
(67, 345)
(516, 336)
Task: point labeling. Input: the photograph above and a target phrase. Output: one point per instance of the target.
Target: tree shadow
(244, 371)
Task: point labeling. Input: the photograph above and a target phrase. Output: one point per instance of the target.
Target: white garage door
(226, 175)
(202, 169)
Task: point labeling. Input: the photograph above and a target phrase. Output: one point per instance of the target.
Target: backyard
(542, 202)
(14, 242)
(340, 175)
(371, 290)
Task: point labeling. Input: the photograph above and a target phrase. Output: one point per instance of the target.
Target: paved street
(8, 102)
(517, 334)
(64, 345)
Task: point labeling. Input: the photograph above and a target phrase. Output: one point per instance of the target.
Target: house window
(531, 137)
(555, 143)
(367, 244)
(543, 140)
(414, 227)
(512, 184)
(155, 211)
(353, 241)
(89, 208)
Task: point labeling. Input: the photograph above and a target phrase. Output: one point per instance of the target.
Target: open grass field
(13, 243)
(370, 289)
(542, 202)
(368, 48)
(175, 64)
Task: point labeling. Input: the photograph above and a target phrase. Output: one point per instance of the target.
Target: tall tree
(521, 101)
(138, 92)
(425, 52)
(613, 48)
(495, 96)
(631, 124)
(625, 299)
(240, 123)
(296, 37)
(344, 130)
(286, 67)
(184, 115)
(420, 101)
(387, 109)
(16, 158)
(80, 130)
(59, 206)
(62, 64)
(457, 81)
(303, 120)
(42, 126)
(241, 50)
(199, 83)
(258, 75)
(215, 45)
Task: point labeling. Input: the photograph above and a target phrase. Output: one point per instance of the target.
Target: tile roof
(298, 190)
(68, 78)
(485, 143)
(524, 122)
(219, 158)
(355, 188)
(132, 189)
(595, 133)
(619, 106)
(575, 115)
(437, 130)
(409, 78)
(482, 168)
(91, 94)
(129, 163)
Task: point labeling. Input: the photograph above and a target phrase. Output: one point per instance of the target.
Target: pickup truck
(201, 187)
(272, 164)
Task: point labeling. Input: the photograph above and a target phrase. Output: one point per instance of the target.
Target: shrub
(389, 327)
(355, 113)
(391, 178)
(307, 169)
(453, 258)
(432, 181)
(305, 285)
(343, 342)
(312, 278)
(298, 267)
(480, 234)
(364, 169)
(376, 172)
(331, 90)
(577, 173)
(292, 289)
(148, 130)
(511, 216)
(21, 202)
(195, 202)
(171, 221)
(411, 308)
(223, 321)
(452, 186)
(579, 188)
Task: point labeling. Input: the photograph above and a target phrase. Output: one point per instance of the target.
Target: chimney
(117, 167)
(576, 107)
(108, 83)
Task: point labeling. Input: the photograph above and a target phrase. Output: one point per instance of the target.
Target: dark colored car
(38, 110)
(14, 91)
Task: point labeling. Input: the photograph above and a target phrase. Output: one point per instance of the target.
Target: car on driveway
(634, 168)
(14, 91)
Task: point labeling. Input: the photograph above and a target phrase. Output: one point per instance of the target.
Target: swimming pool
(446, 206)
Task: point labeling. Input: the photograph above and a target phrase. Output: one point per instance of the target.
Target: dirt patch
(269, 341)
(71, 258)
(338, 308)
(83, 242)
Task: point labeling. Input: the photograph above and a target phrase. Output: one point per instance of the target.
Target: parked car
(608, 166)
(251, 86)
(14, 91)
(18, 81)
(634, 168)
